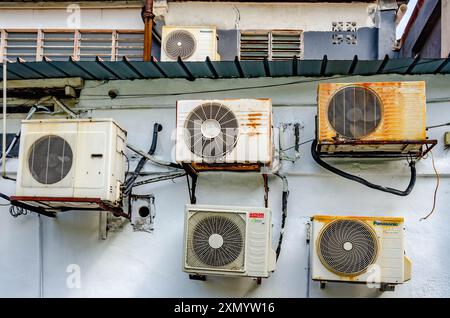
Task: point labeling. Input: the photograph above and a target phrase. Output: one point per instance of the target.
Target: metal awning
(129, 70)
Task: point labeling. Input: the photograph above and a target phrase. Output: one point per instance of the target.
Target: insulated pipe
(70, 112)
(148, 16)
(34, 109)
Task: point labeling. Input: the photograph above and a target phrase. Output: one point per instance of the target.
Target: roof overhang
(130, 70)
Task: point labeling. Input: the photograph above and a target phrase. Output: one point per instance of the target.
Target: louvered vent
(180, 43)
(355, 112)
(211, 130)
(50, 159)
(286, 45)
(347, 247)
(216, 241)
(273, 45)
(254, 46)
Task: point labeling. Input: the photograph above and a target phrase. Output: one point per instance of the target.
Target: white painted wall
(130, 264)
(302, 16)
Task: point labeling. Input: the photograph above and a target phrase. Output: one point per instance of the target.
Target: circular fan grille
(50, 159)
(211, 130)
(347, 247)
(180, 43)
(355, 112)
(216, 240)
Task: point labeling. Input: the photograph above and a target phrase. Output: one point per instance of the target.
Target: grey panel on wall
(318, 44)
(228, 44)
(387, 33)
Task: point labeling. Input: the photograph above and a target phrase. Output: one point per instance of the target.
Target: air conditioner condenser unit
(190, 43)
(364, 250)
(218, 133)
(71, 163)
(228, 241)
(372, 118)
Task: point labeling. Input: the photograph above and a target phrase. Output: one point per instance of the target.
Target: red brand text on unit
(256, 215)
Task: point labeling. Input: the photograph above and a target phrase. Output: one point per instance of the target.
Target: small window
(273, 45)
(130, 44)
(95, 44)
(58, 46)
(21, 44)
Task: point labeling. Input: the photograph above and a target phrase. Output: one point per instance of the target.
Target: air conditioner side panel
(206, 44)
(404, 111)
(259, 250)
(93, 155)
(254, 143)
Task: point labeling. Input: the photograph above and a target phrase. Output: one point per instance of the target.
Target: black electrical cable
(18, 209)
(284, 210)
(297, 137)
(438, 126)
(412, 182)
(132, 179)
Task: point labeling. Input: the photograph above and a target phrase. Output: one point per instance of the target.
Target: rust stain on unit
(198, 167)
(403, 112)
(254, 120)
(329, 218)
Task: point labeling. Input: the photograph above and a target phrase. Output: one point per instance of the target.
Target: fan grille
(347, 247)
(180, 43)
(50, 159)
(355, 112)
(216, 241)
(211, 130)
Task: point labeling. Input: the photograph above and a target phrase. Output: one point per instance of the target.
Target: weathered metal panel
(403, 111)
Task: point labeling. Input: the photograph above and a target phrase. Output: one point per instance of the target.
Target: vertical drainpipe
(5, 73)
(148, 16)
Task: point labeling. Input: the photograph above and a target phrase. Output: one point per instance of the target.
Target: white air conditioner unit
(190, 43)
(227, 131)
(77, 163)
(230, 241)
(365, 250)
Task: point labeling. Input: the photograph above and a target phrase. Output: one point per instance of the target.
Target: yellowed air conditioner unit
(384, 117)
(364, 250)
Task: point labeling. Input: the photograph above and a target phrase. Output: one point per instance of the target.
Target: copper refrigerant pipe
(148, 16)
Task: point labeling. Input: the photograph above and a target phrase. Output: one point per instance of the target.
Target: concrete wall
(315, 19)
(303, 16)
(135, 264)
(317, 44)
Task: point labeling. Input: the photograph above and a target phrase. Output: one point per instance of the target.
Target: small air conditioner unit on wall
(224, 132)
(77, 163)
(229, 241)
(385, 117)
(365, 250)
(190, 43)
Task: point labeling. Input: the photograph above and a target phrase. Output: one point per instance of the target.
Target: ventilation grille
(216, 241)
(211, 130)
(273, 45)
(50, 159)
(354, 112)
(347, 247)
(180, 43)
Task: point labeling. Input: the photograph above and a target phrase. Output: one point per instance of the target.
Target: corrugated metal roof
(106, 70)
